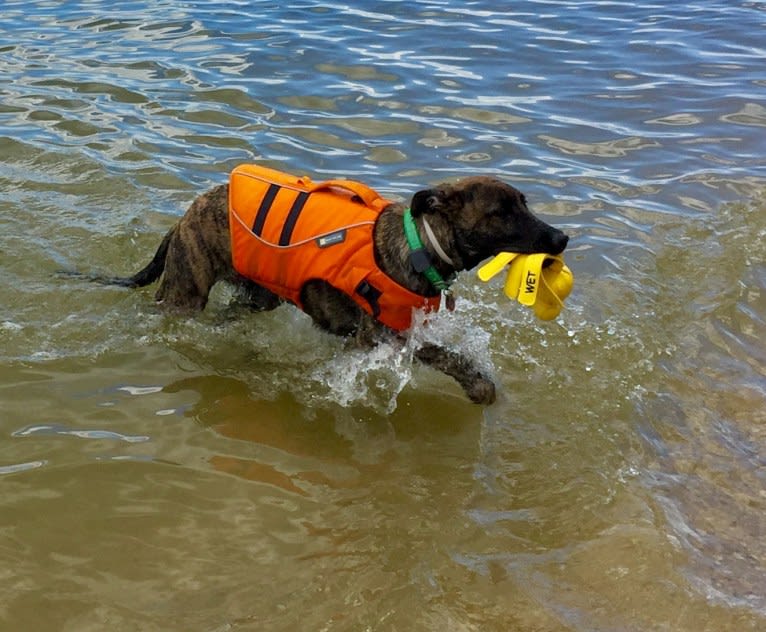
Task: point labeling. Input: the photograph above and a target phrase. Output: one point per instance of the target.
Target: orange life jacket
(287, 230)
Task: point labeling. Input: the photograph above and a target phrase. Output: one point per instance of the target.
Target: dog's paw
(481, 391)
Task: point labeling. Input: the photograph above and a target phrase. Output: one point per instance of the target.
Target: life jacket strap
(263, 209)
(364, 194)
(292, 218)
(292, 215)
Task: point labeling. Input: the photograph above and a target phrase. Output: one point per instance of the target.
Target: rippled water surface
(247, 472)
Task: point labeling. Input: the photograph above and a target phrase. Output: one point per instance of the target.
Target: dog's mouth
(557, 243)
(551, 242)
(553, 249)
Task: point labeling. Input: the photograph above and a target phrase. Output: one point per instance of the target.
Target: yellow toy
(543, 288)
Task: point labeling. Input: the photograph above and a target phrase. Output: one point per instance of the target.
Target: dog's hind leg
(198, 253)
(478, 388)
(192, 267)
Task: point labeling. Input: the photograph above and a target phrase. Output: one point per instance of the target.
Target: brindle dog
(472, 219)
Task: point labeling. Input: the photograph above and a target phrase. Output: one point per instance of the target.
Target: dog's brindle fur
(473, 219)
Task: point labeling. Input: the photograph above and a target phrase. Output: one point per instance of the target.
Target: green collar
(421, 260)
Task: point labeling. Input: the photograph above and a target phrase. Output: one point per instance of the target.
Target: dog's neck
(435, 245)
(393, 251)
(421, 257)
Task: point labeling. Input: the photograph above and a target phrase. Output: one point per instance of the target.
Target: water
(247, 472)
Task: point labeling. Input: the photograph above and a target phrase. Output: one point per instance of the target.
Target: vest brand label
(333, 238)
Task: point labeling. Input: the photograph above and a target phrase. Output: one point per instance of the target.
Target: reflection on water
(237, 471)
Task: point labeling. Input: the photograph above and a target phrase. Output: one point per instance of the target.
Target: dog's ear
(422, 202)
(430, 200)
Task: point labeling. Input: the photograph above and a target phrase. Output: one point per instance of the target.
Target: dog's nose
(559, 242)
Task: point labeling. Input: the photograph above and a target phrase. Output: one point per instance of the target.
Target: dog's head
(481, 216)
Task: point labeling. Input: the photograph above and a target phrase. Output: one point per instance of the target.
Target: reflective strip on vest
(287, 230)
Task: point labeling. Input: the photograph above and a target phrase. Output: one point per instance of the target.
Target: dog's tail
(149, 274)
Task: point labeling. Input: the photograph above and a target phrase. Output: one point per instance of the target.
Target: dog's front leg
(480, 389)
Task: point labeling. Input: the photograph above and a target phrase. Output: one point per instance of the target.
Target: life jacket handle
(369, 196)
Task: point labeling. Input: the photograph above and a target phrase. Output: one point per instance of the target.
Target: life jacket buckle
(371, 294)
